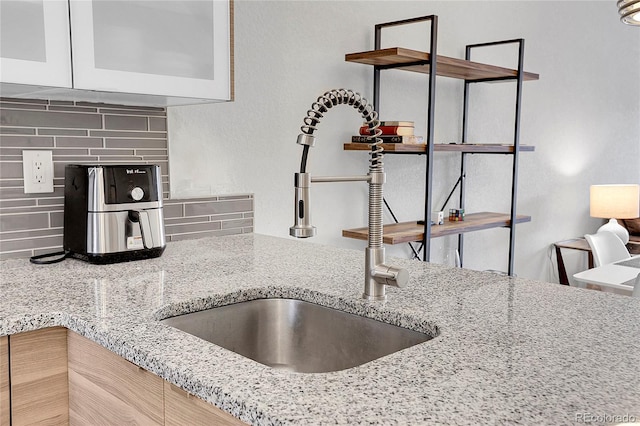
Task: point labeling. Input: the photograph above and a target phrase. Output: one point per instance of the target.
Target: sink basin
(296, 335)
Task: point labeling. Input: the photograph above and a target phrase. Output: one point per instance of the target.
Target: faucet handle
(391, 275)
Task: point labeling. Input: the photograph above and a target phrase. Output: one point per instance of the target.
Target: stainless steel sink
(297, 336)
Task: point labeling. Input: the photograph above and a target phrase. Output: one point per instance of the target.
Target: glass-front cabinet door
(168, 48)
(34, 42)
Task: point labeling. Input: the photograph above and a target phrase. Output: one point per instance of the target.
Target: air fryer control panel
(127, 184)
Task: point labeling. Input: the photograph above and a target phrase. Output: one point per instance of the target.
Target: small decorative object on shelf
(456, 215)
(437, 218)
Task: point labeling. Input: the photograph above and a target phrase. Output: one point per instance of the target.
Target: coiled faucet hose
(345, 97)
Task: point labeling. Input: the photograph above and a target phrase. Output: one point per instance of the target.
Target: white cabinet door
(169, 48)
(34, 42)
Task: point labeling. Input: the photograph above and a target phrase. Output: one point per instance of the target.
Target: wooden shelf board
(446, 66)
(405, 232)
(440, 147)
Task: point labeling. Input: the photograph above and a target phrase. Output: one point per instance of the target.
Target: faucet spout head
(302, 227)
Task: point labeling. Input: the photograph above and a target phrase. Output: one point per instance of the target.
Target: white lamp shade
(614, 201)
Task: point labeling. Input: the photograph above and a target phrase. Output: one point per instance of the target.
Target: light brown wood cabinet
(181, 409)
(107, 389)
(38, 377)
(58, 377)
(4, 381)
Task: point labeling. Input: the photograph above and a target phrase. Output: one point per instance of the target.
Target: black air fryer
(113, 213)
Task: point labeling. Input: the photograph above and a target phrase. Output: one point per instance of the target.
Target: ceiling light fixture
(629, 11)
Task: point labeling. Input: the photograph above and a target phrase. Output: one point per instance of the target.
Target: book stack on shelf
(392, 132)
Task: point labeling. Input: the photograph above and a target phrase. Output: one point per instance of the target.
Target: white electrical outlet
(37, 167)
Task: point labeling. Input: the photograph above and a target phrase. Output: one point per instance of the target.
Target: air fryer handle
(142, 217)
(145, 229)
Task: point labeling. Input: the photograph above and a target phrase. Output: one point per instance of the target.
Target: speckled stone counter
(507, 351)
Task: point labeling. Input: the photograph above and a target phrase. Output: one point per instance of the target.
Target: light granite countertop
(507, 351)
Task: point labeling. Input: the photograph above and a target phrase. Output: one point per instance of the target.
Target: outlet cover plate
(37, 168)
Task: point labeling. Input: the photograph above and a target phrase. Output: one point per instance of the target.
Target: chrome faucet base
(378, 276)
(374, 298)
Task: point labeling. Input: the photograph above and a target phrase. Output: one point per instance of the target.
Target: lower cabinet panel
(107, 389)
(184, 409)
(4, 381)
(38, 371)
(57, 377)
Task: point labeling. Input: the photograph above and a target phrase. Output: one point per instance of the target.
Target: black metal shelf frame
(516, 143)
(433, 38)
(432, 33)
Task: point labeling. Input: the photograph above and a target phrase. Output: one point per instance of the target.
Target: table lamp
(615, 202)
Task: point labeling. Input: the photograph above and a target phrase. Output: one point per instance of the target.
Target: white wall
(583, 116)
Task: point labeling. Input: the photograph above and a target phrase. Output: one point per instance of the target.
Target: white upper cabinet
(169, 48)
(34, 42)
(138, 52)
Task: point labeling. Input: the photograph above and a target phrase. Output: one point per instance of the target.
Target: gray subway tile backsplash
(55, 201)
(239, 223)
(128, 134)
(138, 143)
(16, 203)
(218, 207)
(71, 109)
(124, 122)
(67, 132)
(220, 233)
(157, 124)
(54, 242)
(30, 118)
(92, 133)
(193, 227)
(23, 221)
(38, 233)
(27, 101)
(84, 142)
(173, 210)
(17, 131)
(26, 141)
(183, 220)
(10, 169)
(26, 106)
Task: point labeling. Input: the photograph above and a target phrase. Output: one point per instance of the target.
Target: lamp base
(615, 228)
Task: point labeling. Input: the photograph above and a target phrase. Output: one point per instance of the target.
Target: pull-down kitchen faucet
(377, 273)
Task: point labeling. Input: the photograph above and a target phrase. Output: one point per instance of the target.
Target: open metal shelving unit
(397, 58)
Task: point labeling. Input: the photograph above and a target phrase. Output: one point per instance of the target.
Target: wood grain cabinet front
(4, 381)
(181, 408)
(107, 389)
(38, 377)
(55, 377)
